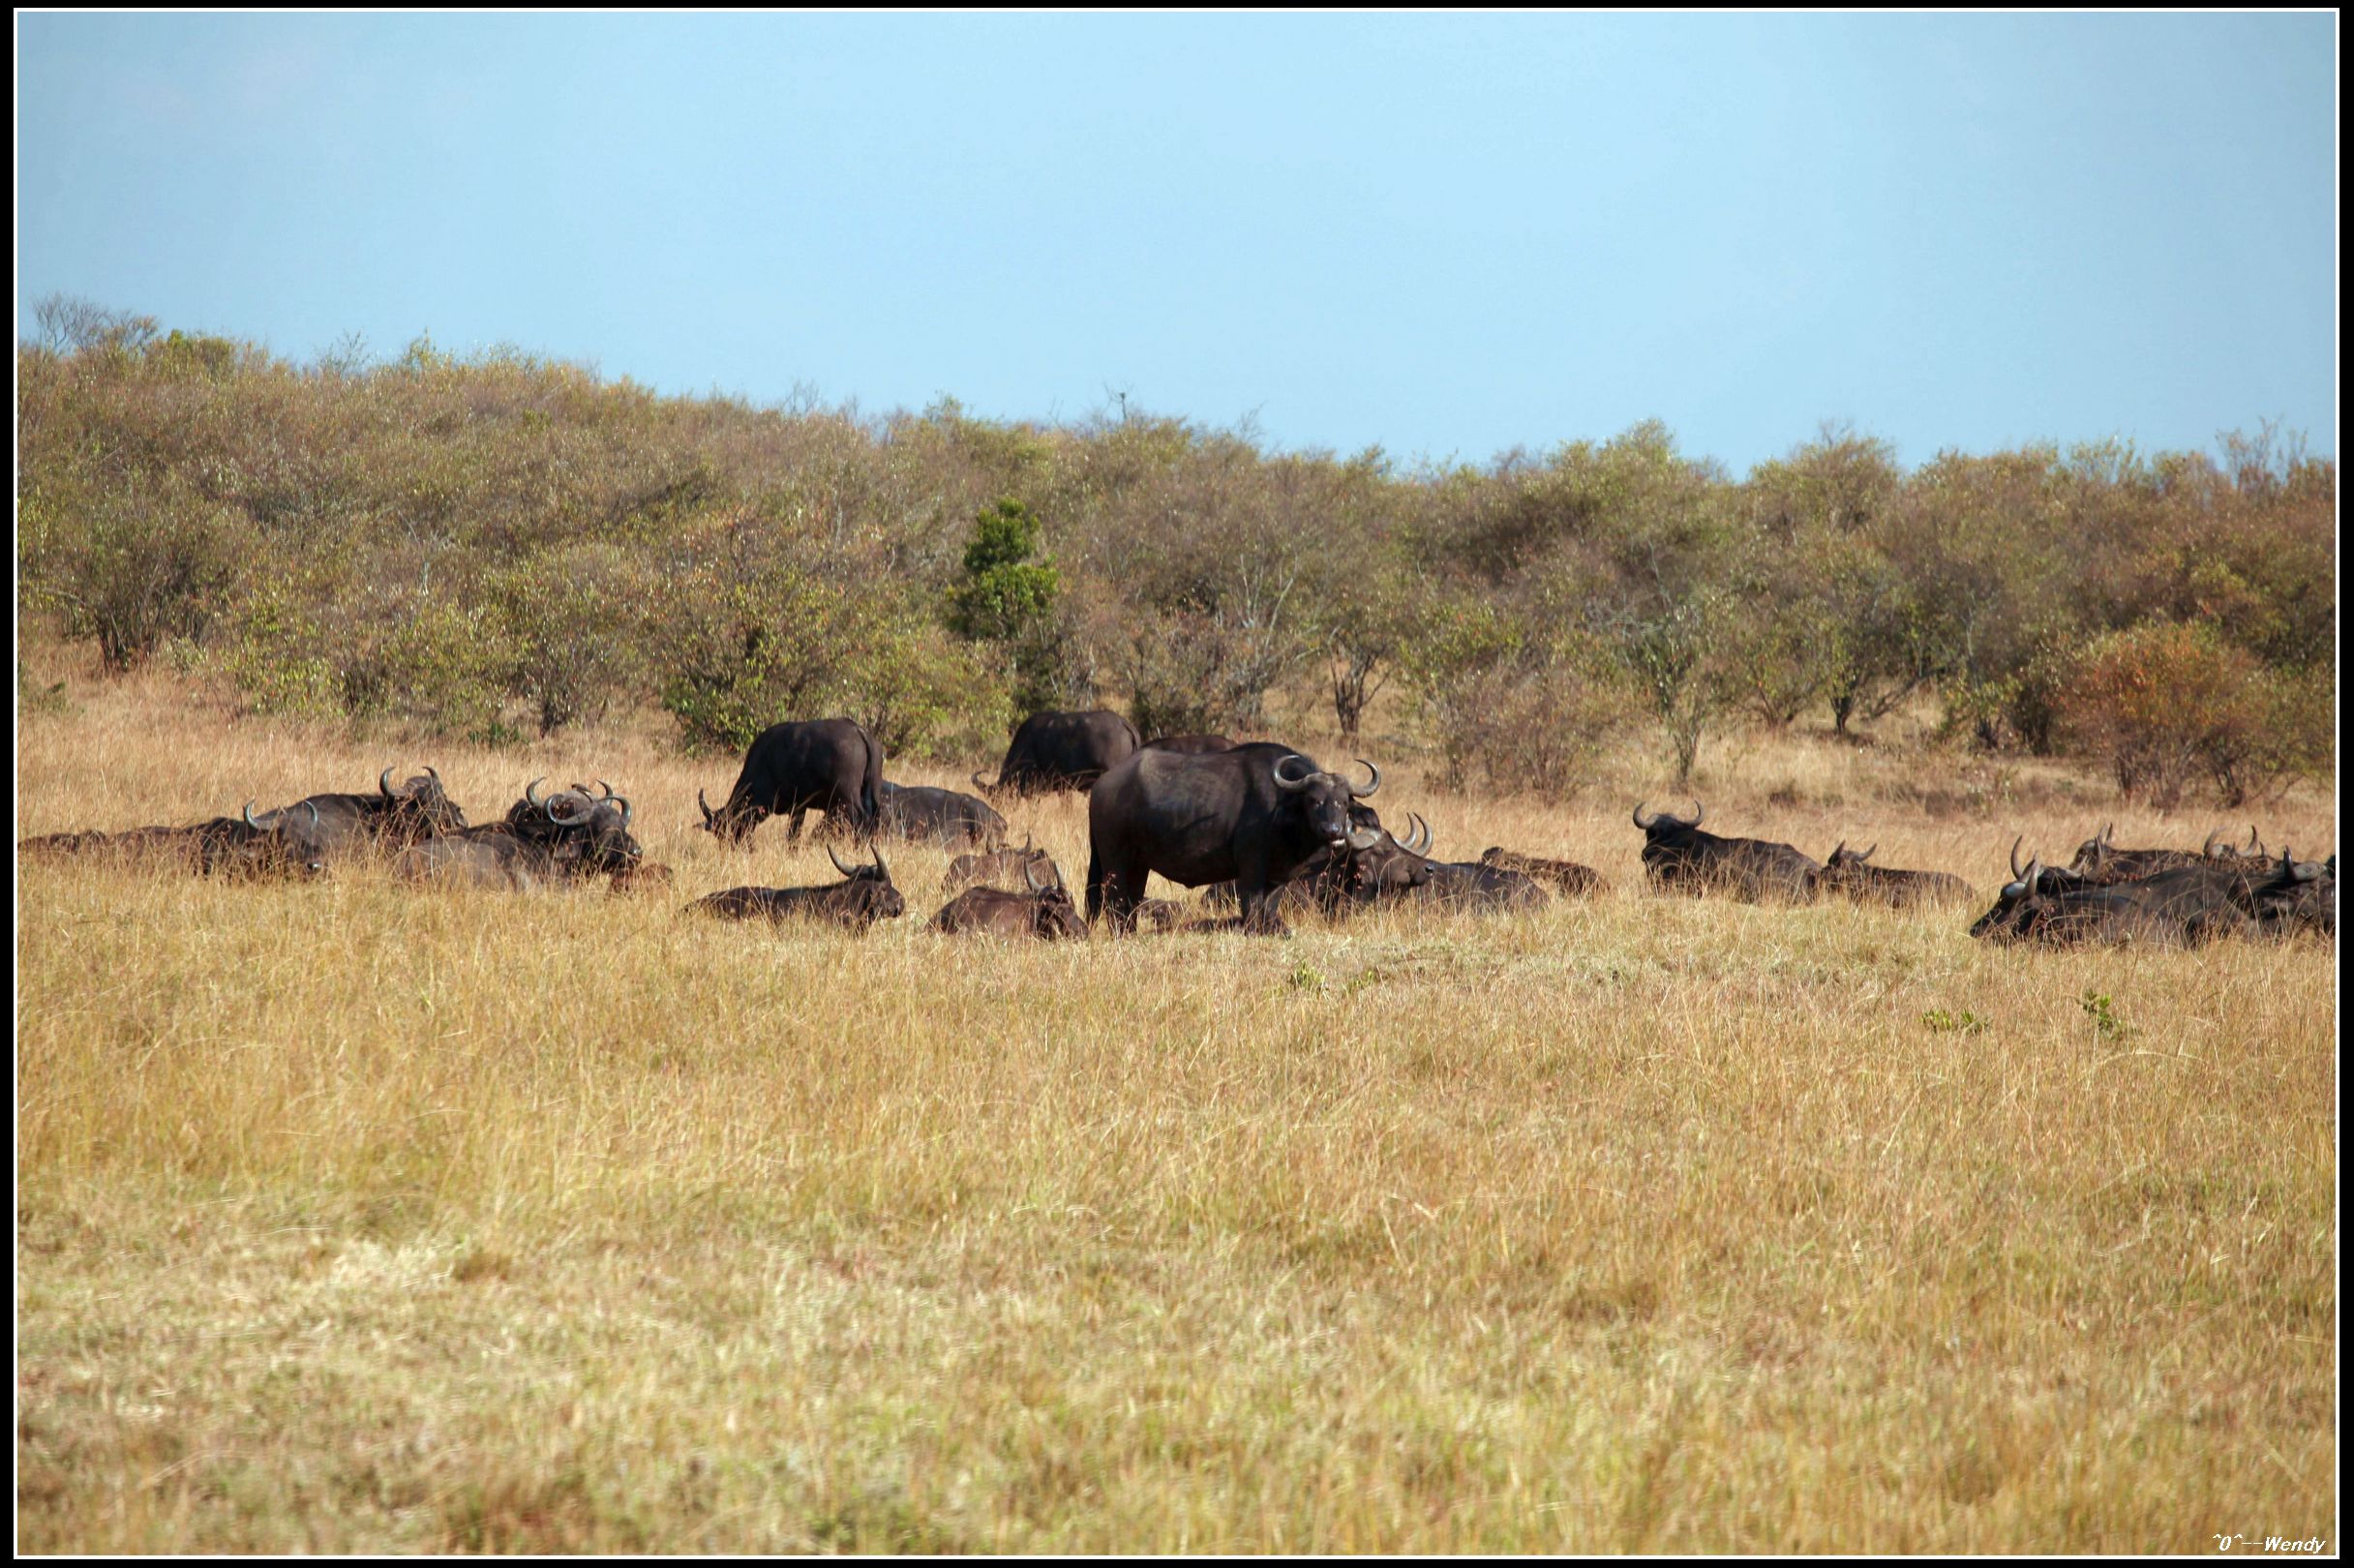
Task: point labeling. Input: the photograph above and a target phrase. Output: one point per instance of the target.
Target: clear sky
(1446, 235)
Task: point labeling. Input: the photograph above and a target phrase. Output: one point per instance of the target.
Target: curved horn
(429, 774)
(1865, 855)
(1835, 854)
(624, 799)
(2034, 873)
(707, 812)
(2014, 854)
(1367, 792)
(877, 850)
(2207, 849)
(2108, 835)
(249, 818)
(846, 870)
(1429, 836)
(1640, 822)
(607, 788)
(383, 783)
(1030, 876)
(529, 791)
(313, 805)
(979, 782)
(1698, 811)
(2255, 845)
(1289, 785)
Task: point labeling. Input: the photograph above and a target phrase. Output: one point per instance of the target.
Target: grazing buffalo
(1190, 745)
(1573, 879)
(1678, 858)
(946, 818)
(1846, 874)
(1252, 816)
(1064, 751)
(1044, 912)
(2184, 907)
(288, 843)
(1003, 868)
(864, 896)
(824, 765)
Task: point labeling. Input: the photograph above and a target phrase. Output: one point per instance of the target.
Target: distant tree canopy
(497, 542)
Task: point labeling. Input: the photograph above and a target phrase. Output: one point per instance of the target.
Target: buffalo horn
(249, 817)
(704, 806)
(383, 783)
(2207, 849)
(848, 871)
(877, 850)
(313, 805)
(1835, 854)
(2255, 845)
(1282, 782)
(1698, 811)
(431, 774)
(2014, 854)
(1364, 838)
(530, 791)
(1030, 876)
(1865, 855)
(1646, 824)
(624, 799)
(1367, 792)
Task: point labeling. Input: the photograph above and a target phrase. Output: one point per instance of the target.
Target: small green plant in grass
(2104, 1016)
(1942, 1022)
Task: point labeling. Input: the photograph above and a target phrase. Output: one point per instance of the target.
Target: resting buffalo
(1845, 873)
(864, 896)
(1252, 816)
(1044, 912)
(288, 843)
(824, 765)
(389, 820)
(2100, 861)
(1003, 868)
(1192, 746)
(1678, 858)
(1063, 751)
(924, 815)
(2297, 895)
(1568, 876)
(1478, 885)
(564, 837)
(2179, 908)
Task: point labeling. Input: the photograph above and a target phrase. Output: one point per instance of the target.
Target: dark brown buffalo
(791, 769)
(2297, 895)
(285, 844)
(1044, 912)
(1845, 873)
(2100, 861)
(1678, 858)
(568, 837)
(1064, 751)
(921, 814)
(1566, 876)
(1334, 880)
(387, 821)
(2182, 907)
(1252, 816)
(1003, 868)
(864, 896)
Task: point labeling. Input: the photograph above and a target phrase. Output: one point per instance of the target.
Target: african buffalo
(924, 815)
(1478, 885)
(1252, 816)
(289, 844)
(1333, 879)
(1064, 751)
(1003, 868)
(2297, 895)
(823, 765)
(543, 840)
(1568, 876)
(1846, 874)
(2182, 907)
(1044, 912)
(1678, 858)
(1192, 746)
(864, 896)
(2100, 861)
(389, 820)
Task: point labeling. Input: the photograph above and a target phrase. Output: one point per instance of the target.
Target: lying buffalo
(791, 769)
(1479, 887)
(1044, 912)
(286, 843)
(2297, 895)
(2182, 907)
(386, 821)
(2099, 860)
(1678, 858)
(1845, 873)
(564, 837)
(1252, 816)
(1003, 868)
(864, 896)
(1567, 877)
(946, 818)
(1064, 751)
(1335, 880)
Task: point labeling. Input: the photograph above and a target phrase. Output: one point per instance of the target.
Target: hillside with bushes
(495, 545)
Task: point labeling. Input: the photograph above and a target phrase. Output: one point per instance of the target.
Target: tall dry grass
(355, 1218)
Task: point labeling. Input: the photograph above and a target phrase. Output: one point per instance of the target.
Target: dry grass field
(352, 1218)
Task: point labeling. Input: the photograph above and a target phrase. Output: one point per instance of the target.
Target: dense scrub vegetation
(498, 543)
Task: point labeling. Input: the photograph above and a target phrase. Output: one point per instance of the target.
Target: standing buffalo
(864, 896)
(1845, 872)
(1044, 912)
(824, 765)
(1678, 858)
(1252, 816)
(1568, 876)
(1064, 751)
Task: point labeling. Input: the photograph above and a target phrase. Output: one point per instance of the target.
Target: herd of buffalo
(1258, 825)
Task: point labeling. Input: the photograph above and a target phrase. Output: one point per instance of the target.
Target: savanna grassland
(357, 1217)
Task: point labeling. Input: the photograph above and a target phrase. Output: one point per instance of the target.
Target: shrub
(2165, 703)
(130, 563)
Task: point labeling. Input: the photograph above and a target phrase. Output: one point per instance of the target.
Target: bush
(129, 564)
(2163, 705)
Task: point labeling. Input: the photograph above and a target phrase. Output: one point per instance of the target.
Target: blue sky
(1443, 235)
